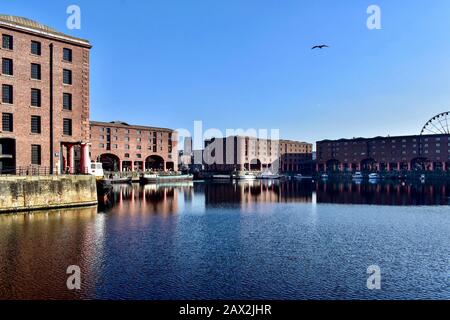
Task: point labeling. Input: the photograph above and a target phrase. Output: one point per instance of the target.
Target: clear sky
(248, 63)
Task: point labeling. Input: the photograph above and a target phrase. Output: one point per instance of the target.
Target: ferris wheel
(439, 124)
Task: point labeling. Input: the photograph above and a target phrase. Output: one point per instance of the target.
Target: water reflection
(151, 199)
(383, 193)
(204, 240)
(37, 248)
(172, 199)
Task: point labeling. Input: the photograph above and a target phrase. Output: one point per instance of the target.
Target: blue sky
(248, 63)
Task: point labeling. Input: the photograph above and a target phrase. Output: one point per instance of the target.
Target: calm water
(254, 240)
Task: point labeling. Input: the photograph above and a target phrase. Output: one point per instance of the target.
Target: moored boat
(174, 177)
(221, 177)
(302, 177)
(244, 175)
(120, 180)
(422, 178)
(148, 178)
(104, 187)
(161, 178)
(374, 176)
(357, 176)
(269, 175)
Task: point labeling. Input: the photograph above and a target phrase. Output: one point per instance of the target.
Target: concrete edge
(50, 207)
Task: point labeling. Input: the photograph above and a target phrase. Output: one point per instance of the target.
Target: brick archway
(154, 162)
(110, 162)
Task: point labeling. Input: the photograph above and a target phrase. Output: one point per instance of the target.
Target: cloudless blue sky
(248, 63)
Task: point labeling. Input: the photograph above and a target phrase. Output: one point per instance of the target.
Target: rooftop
(26, 24)
(424, 136)
(122, 124)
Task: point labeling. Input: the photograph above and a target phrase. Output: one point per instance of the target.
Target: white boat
(302, 177)
(324, 176)
(164, 178)
(148, 178)
(358, 176)
(244, 175)
(96, 169)
(422, 178)
(269, 175)
(374, 176)
(221, 177)
(174, 177)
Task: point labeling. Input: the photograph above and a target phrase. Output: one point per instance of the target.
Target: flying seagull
(320, 47)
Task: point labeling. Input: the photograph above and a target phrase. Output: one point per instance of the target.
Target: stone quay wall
(46, 192)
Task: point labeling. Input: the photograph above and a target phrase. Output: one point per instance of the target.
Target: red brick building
(123, 147)
(238, 153)
(45, 98)
(421, 152)
(294, 155)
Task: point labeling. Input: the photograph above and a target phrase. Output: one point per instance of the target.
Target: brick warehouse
(123, 147)
(45, 97)
(419, 152)
(238, 153)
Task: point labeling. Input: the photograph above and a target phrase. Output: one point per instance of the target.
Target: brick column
(85, 162)
(398, 166)
(64, 160)
(444, 166)
(388, 167)
(71, 158)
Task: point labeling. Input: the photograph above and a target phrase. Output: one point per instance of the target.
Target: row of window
(8, 44)
(127, 146)
(374, 154)
(116, 138)
(36, 74)
(437, 139)
(36, 99)
(8, 124)
(128, 131)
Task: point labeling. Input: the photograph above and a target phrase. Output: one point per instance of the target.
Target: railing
(38, 171)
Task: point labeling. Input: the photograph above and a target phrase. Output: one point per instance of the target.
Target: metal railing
(38, 171)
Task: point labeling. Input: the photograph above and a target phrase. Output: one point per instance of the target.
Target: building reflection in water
(384, 193)
(168, 200)
(257, 191)
(161, 199)
(37, 248)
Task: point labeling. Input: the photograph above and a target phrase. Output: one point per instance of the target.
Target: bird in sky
(320, 47)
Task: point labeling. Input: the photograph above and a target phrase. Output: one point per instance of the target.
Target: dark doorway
(7, 156)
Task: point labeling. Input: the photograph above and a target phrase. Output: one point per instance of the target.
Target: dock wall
(46, 192)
